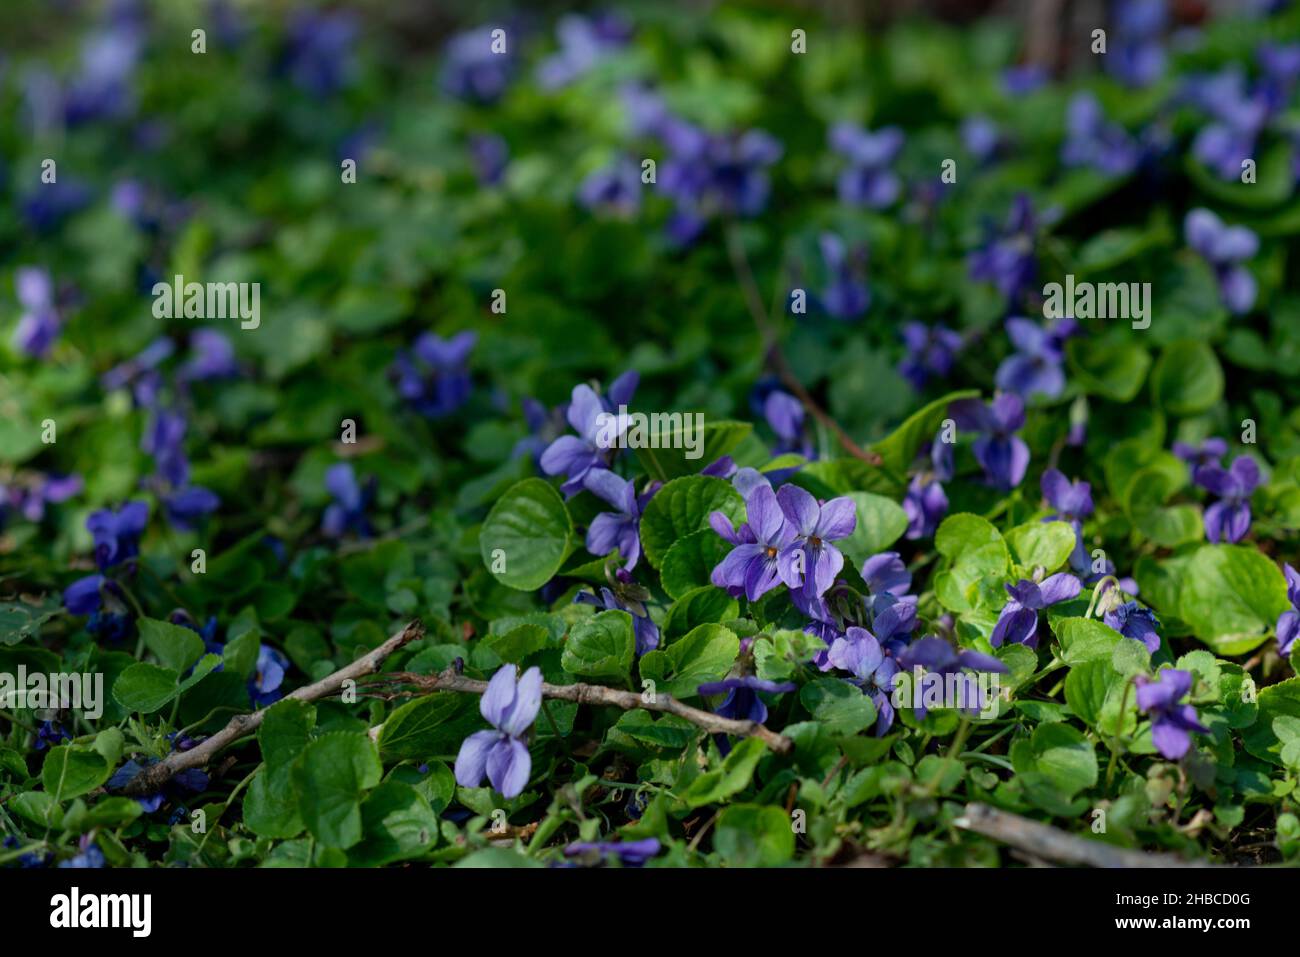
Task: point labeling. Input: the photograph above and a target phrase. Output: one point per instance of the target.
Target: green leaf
(428, 726)
(900, 447)
(601, 646)
(706, 654)
(109, 812)
(70, 771)
(398, 824)
(1187, 378)
(19, 620)
(838, 706)
(145, 687)
(1113, 369)
(525, 538)
(1231, 595)
(176, 647)
(673, 462)
(518, 643)
(881, 522)
(691, 560)
(754, 835)
(1042, 544)
(1276, 703)
(964, 532)
(695, 607)
(682, 507)
(733, 777)
(1086, 639)
(285, 730)
(331, 777)
(271, 804)
(1065, 757)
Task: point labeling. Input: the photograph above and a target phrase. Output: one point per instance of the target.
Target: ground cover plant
(647, 437)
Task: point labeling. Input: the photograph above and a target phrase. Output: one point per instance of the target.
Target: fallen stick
(449, 680)
(153, 777)
(1052, 844)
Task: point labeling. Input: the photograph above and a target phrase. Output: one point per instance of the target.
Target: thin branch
(773, 353)
(1051, 844)
(599, 695)
(152, 778)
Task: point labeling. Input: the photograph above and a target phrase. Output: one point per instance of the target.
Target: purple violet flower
(510, 706)
(1007, 257)
(931, 352)
(846, 296)
(1002, 454)
(1228, 519)
(859, 653)
(753, 567)
(938, 659)
(1133, 621)
(39, 324)
(645, 631)
(1288, 623)
(1225, 248)
(868, 179)
(348, 510)
(1018, 621)
(1035, 368)
(584, 42)
(742, 702)
(1092, 142)
(1171, 722)
(621, 529)
(1209, 452)
(1073, 503)
(811, 561)
(472, 71)
(433, 375)
(574, 456)
(627, 853)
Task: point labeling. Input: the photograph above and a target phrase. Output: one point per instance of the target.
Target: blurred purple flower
(348, 510)
(584, 42)
(1002, 454)
(1094, 143)
(1006, 258)
(1288, 623)
(1225, 248)
(319, 57)
(931, 351)
(1035, 368)
(615, 189)
(471, 70)
(1228, 519)
(39, 324)
(1137, 56)
(845, 295)
(627, 853)
(868, 180)
(433, 375)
